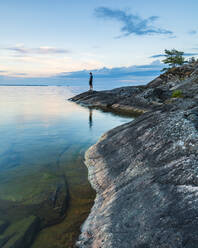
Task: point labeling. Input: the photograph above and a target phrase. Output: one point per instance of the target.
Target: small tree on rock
(173, 58)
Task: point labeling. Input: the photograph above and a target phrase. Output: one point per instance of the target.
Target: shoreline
(144, 172)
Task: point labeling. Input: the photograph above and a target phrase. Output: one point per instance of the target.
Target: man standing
(91, 82)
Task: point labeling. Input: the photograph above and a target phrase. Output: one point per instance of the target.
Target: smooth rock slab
(125, 99)
(146, 177)
(145, 172)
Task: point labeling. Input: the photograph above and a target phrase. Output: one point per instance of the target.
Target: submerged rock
(145, 175)
(3, 225)
(20, 234)
(20, 221)
(53, 207)
(48, 200)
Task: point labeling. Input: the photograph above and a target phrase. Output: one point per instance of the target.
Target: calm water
(43, 138)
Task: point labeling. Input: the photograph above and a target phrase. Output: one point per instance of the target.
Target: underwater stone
(21, 233)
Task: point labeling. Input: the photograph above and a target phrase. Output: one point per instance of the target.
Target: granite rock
(145, 172)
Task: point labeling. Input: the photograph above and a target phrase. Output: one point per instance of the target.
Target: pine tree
(173, 58)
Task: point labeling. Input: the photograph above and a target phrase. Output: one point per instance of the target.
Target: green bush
(177, 94)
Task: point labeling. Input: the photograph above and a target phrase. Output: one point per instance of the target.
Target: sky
(57, 38)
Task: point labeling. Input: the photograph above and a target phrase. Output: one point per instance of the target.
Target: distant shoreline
(25, 85)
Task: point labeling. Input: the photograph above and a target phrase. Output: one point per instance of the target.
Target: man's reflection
(90, 118)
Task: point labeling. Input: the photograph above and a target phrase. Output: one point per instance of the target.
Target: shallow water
(43, 138)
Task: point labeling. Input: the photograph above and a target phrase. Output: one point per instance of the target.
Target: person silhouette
(91, 82)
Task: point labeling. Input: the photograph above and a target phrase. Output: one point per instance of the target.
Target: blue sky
(49, 38)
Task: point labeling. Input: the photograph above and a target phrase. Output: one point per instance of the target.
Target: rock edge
(145, 172)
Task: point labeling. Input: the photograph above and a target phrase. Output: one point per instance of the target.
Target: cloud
(131, 24)
(192, 32)
(40, 50)
(44, 65)
(20, 74)
(104, 78)
(190, 54)
(157, 56)
(162, 55)
(152, 69)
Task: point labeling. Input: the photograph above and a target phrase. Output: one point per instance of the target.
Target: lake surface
(43, 138)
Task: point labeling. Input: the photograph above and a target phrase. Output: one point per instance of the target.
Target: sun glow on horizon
(44, 61)
(47, 38)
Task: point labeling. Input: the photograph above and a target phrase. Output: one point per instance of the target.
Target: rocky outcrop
(145, 175)
(131, 99)
(141, 99)
(125, 99)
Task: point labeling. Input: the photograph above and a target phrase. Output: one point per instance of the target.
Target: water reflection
(90, 118)
(43, 181)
